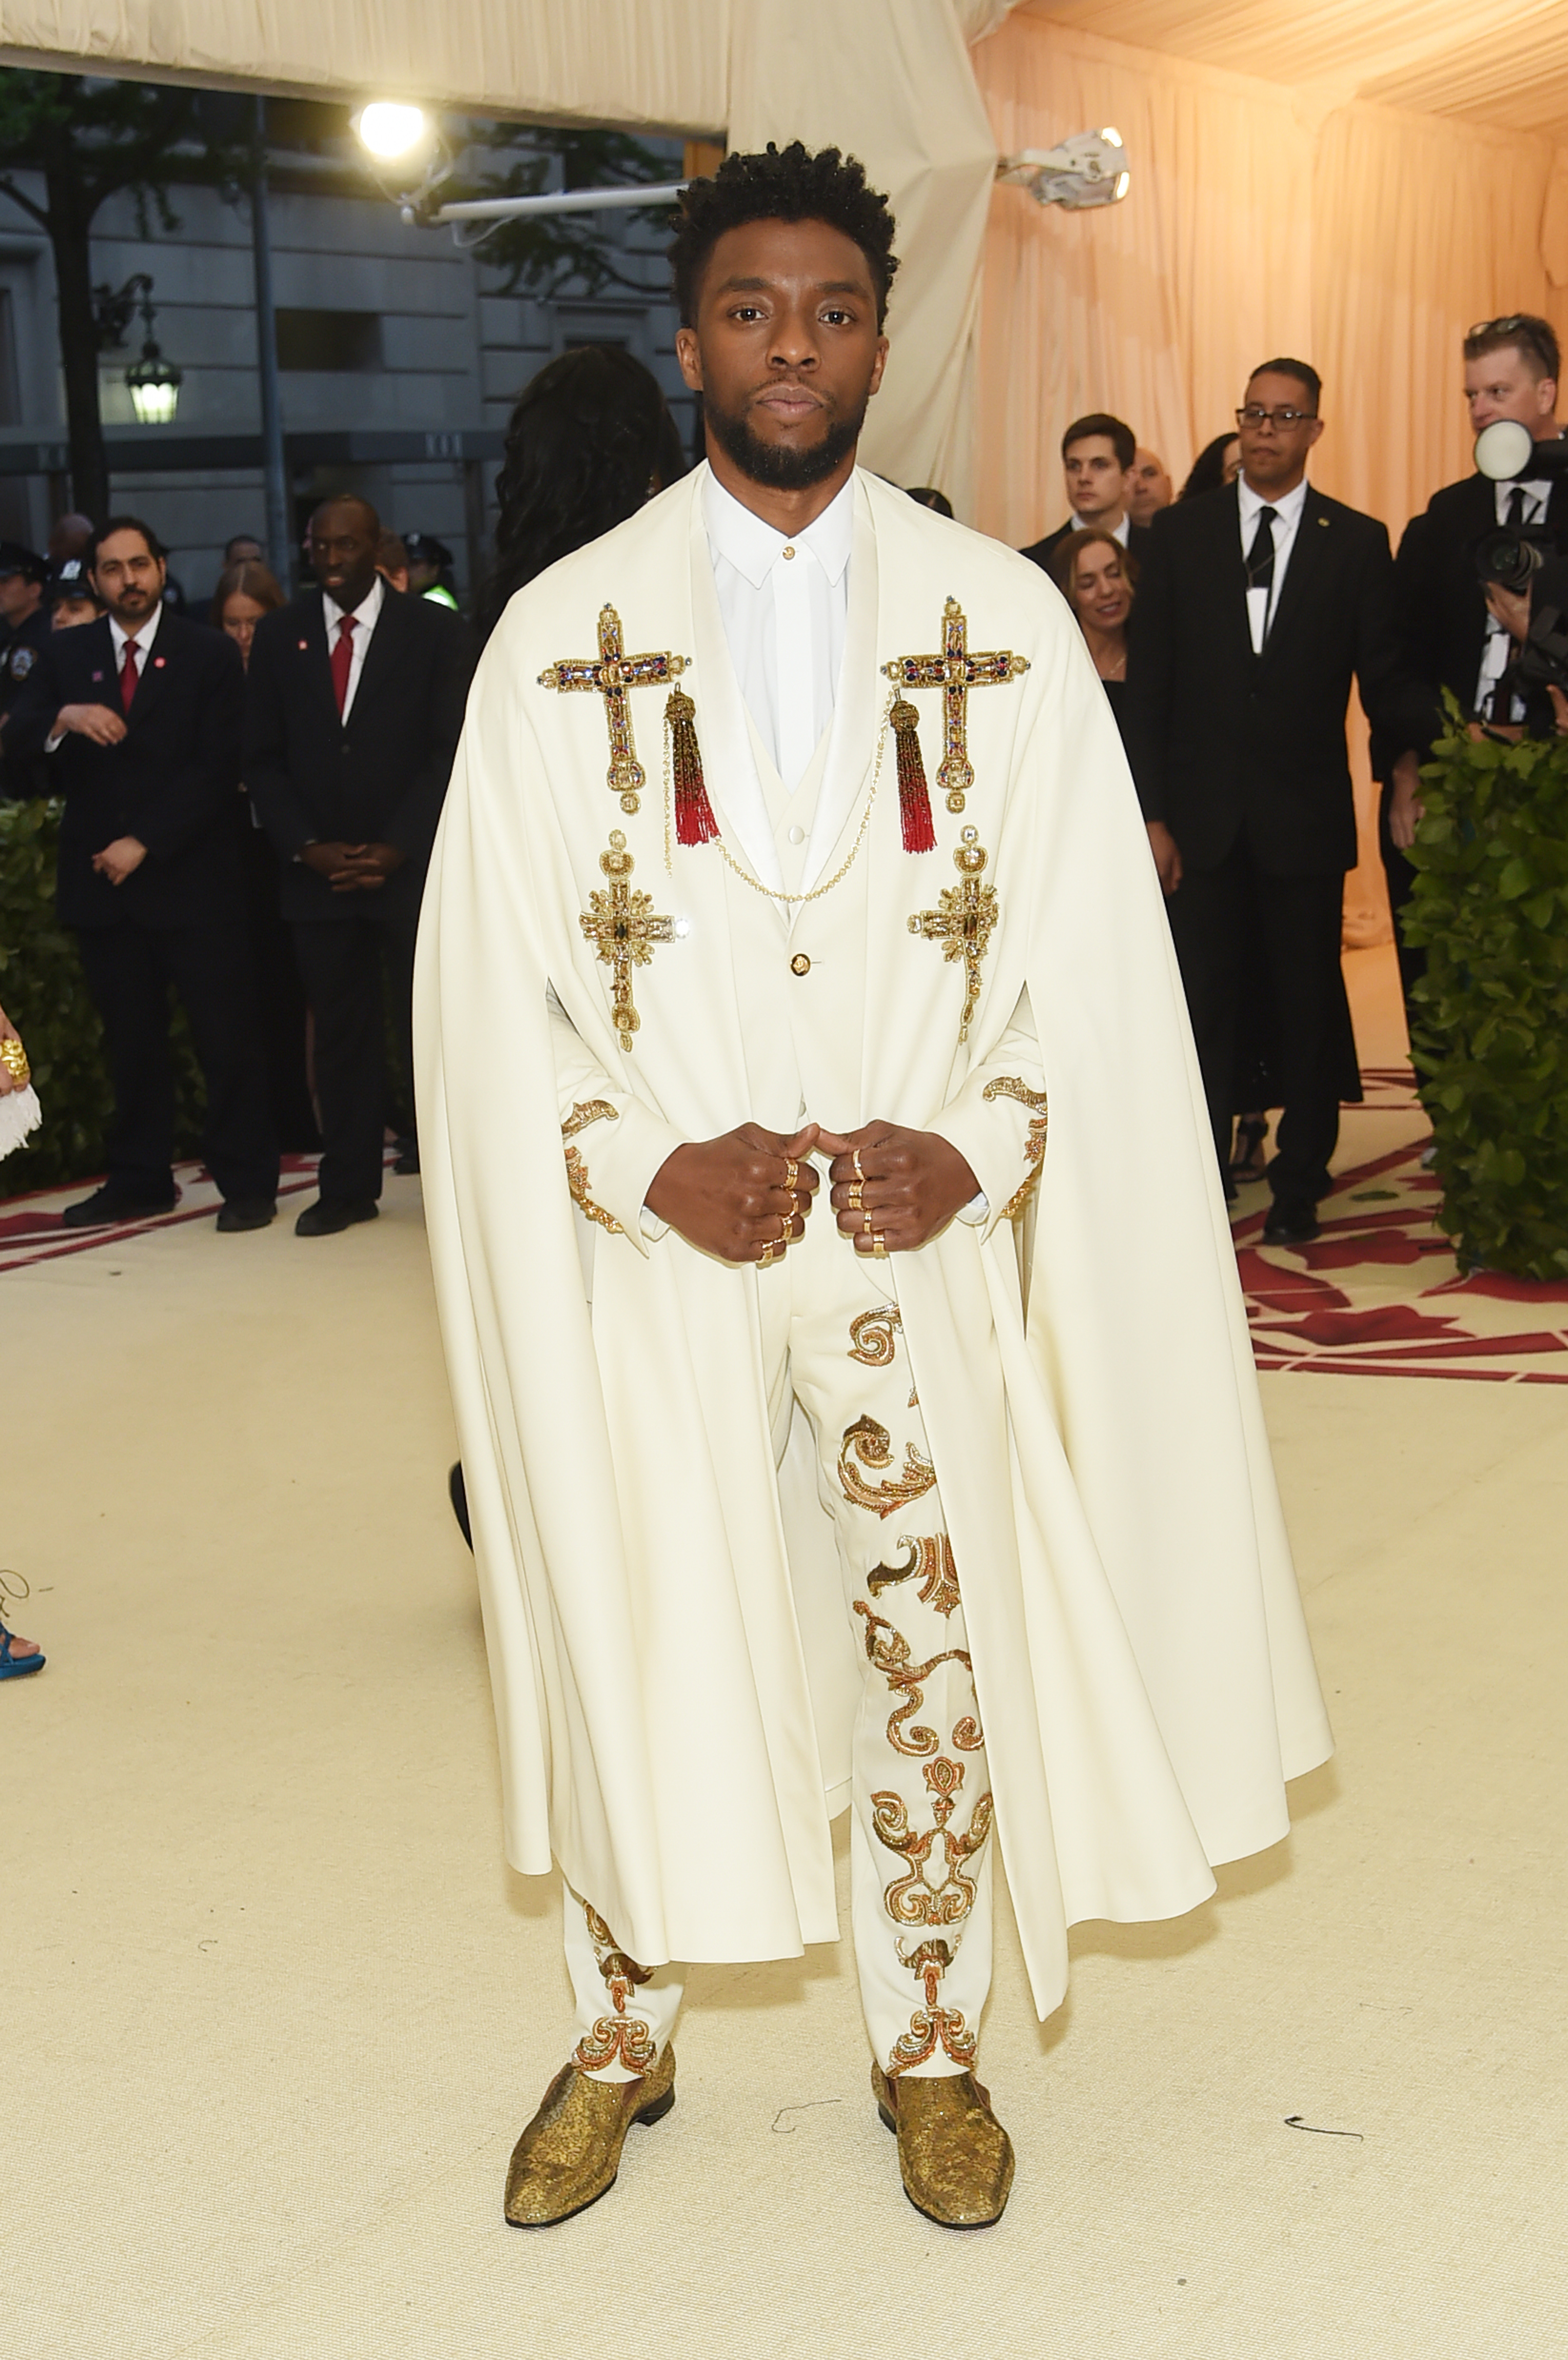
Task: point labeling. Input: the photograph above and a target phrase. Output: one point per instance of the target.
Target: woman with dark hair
(590, 439)
(1218, 464)
(244, 592)
(1097, 578)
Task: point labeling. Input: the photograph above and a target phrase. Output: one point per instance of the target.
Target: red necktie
(343, 662)
(128, 674)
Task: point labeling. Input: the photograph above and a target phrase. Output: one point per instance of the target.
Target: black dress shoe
(407, 1162)
(1292, 1222)
(108, 1204)
(246, 1213)
(327, 1216)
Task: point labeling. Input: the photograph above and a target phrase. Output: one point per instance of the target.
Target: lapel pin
(304, 647)
(97, 676)
(1322, 520)
(158, 663)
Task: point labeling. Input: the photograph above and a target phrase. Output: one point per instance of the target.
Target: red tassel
(695, 823)
(913, 800)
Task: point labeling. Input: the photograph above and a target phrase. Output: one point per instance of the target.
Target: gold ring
(14, 1057)
(879, 1245)
(855, 1160)
(768, 1254)
(867, 1224)
(792, 1175)
(854, 1197)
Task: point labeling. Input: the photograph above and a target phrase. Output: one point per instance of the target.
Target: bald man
(1148, 488)
(354, 704)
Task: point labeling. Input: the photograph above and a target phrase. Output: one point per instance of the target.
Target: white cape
(673, 1669)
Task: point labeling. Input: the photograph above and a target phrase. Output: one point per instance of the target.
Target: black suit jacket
(1042, 551)
(172, 781)
(378, 777)
(1443, 609)
(1221, 739)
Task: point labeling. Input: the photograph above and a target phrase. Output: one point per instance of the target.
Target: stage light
(1088, 170)
(391, 131)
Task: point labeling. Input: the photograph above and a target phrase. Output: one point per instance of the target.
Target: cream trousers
(920, 1847)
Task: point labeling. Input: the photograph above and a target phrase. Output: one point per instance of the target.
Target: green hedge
(1490, 1043)
(44, 993)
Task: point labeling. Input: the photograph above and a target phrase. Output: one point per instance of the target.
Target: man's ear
(690, 358)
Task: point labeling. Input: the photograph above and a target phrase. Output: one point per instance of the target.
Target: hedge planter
(1490, 1042)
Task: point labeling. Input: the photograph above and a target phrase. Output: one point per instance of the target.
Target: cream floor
(274, 2012)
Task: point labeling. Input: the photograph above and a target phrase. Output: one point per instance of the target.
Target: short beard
(775, 464)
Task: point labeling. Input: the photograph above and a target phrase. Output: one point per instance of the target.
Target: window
(342, 340)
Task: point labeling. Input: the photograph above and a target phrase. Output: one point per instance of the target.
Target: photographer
(1457, 629)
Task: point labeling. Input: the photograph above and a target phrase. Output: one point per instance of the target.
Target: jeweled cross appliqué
(623, 930)
(612, 673)
(955, 671)
(964, 921)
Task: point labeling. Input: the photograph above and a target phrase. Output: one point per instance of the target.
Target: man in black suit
(1098, 454)
(140, 711)
(354, 708)
(1455, 638)
(1256, 605)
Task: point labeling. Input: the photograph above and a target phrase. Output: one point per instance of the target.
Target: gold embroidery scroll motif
(613, 674)
(955, 670)
(593, 1110)
(933, 2026)
(870, 1445)
(871, 1340)
(891, 1658)
(964, 921)
(1008, 1085)
(617, 2037)
(932, 1560)
(623, 930)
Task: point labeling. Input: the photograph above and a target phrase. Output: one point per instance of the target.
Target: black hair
(1115, 431)
(350, 501)
(930, 498)
(124, 524)
(1208, 471)
(789, 184)
(1302, 371)
(590, 437)
(1530, 335)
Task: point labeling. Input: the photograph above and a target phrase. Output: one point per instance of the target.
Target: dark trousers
(280, 996)
(130, 970)
(341, 960)
(1216, 915)
(1401, 878)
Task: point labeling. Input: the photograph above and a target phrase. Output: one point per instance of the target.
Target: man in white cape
(789, 839)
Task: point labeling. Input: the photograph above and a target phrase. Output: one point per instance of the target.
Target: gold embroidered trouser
(920, 1851)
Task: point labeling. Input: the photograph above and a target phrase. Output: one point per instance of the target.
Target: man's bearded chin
(778, 465)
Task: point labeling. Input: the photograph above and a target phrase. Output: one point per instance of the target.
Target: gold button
(788, 552)
(800, 964)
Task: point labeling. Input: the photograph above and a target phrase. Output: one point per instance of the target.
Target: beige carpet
(274, 2012)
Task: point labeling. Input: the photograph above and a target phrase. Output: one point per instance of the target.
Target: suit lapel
(740, 804)
(381, 655)
(852, 738)
(310, 652)
(1225, 523)
(1314, 536)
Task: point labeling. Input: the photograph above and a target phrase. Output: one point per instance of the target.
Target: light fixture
(1088, 170)
(392, 131)
(154, 382)
(1508, 452)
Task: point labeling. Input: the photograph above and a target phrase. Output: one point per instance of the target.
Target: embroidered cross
(612, 673)
(955, 671)
(963, 923)
(621, 926)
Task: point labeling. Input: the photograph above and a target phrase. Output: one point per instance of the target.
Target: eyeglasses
(1254, 414)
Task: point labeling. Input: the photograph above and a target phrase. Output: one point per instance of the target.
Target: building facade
(400, 357)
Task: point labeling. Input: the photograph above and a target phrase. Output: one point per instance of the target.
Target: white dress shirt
(1498, 648)
(144, 637)
(1262, 605)
(364, 615)
(783, 604)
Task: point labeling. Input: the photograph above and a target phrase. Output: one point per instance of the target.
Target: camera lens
(1507, 558)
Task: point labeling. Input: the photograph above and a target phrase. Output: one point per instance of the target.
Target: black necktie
(1516, 506)
(1260, 556)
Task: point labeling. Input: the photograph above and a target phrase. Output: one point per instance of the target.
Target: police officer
(430, 569)
(70, 595)
(24, 634)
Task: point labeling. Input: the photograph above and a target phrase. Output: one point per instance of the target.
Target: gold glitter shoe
(569, 2155)
(954, 2159)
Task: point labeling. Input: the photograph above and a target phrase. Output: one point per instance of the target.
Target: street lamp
(393, 133)
(154, 382)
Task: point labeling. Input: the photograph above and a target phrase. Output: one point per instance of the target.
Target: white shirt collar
(753, 548)
(1288, 509)
(144, 635)
(365, 614)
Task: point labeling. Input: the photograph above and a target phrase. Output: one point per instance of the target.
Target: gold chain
(778, 893)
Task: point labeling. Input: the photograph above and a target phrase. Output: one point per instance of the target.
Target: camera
(1526, 559)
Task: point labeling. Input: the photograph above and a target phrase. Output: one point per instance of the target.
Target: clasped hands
(745, 1197)
(353, 868)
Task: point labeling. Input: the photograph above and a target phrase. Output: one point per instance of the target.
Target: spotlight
(1088, 170)
(391, 131)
